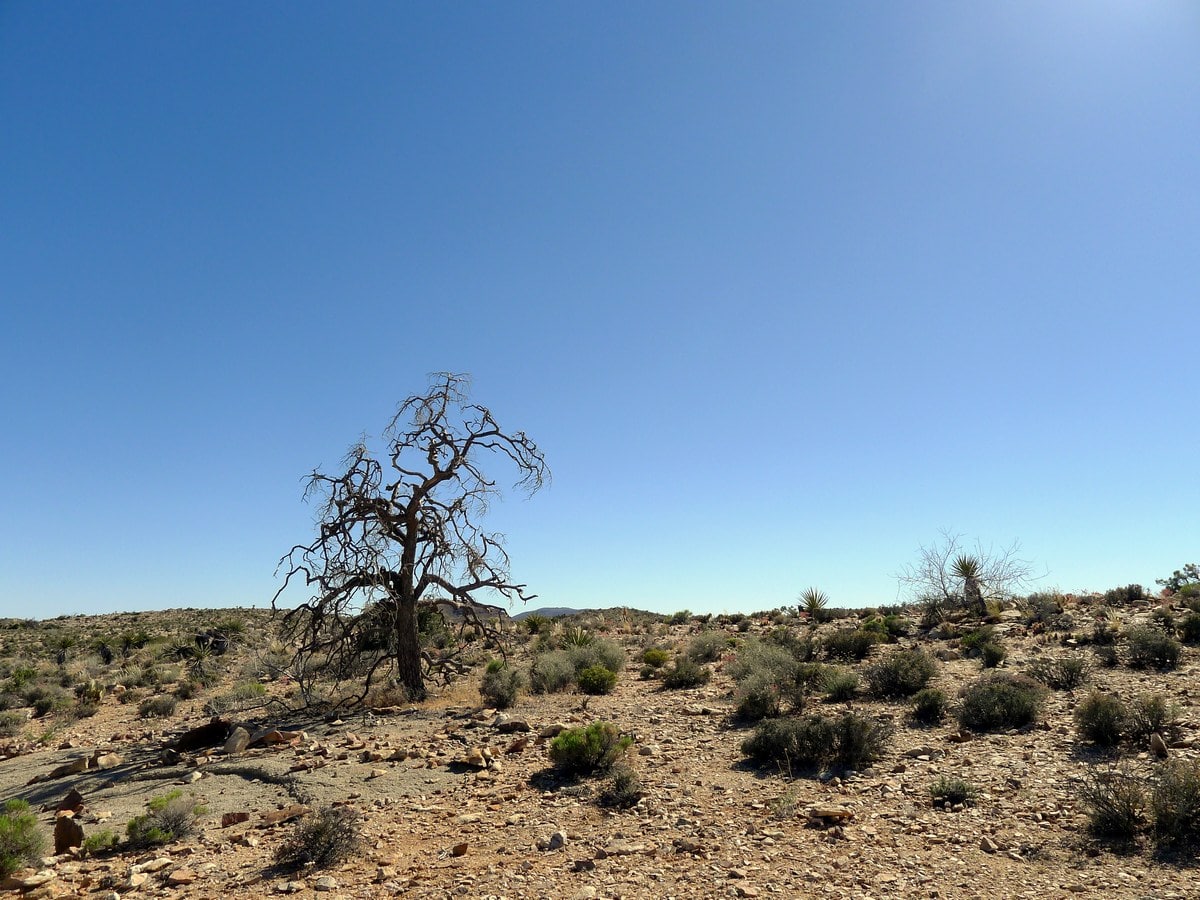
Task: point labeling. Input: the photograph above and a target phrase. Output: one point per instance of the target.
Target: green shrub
(1189, 628)
(992, 654)
(170, 818)
(12, 723)
(814, 741)
(500, 685)
(1000, 700)
(46, 699)
(326, 839)
(577, 636)
(1175, 804)
(597, 680)
(973, 640)
(21, 839)
(707, 646)
(1100, 719)
(900, 674)
(624, 788)
(593, 748)
(161, 706)
(929, 705)
(686, 673)
(599, 652)
(758, 696)
(1147, 647)
(1150, 714)
(99, 842)
(656, 657)
(1115, 802)
(801, 649)
(1064, 673)
(887, 628)
(804, 743)
(850, 644)
(950, 791)
(1125, 596)
(680, 618)
(551, 672)
(858, 741)
(840, 685)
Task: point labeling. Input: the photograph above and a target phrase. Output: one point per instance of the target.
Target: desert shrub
(1104, 634)
(99, 842)
(1000, 700)
(500, 685)
(551, 672)
(1046, 610)
(707, 646)
(46, 699)
(624, 788)
(976, 638)
(1124, 596)
(1116, 804)
(888, 628)
(929, 705)
(840, 685)
(247, 695)
(1064, 673)
(85, 709)
(1189, 628)
(593, 748)
(599, 652)
(950, 791)
(1150, 714)
(850, 644)
(859, 741)
(186, 690)
(328, 838)
(758, 696)
(21, 839)
(900, 674)
(169, 818)
(12, 723)
(1175, 803)
(1106, 656)
(803, 742)
(1147, 647)
(1100, 718)
(992, 654)
(682, 617)
(160, 706)
(802, 648)
(814, 741)
(686, 673)
(597, 680)
(656, 657)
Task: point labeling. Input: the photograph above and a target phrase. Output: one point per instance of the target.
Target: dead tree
(400, 531)
(946, 577)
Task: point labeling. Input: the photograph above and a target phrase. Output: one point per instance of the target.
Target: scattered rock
(238, 741)
(72, 800)
(234, 818)
(181, 877)
(1158, 746)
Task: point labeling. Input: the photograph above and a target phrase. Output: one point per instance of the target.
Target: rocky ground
(459, 800)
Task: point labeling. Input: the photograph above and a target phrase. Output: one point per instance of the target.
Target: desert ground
(459, 798)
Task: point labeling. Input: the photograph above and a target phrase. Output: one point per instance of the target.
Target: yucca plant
(968, 568)
(815, 602)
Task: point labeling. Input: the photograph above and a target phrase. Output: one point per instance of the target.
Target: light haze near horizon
(781, 290)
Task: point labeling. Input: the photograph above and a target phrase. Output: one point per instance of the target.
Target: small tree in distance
(400, 531)
(947, 576)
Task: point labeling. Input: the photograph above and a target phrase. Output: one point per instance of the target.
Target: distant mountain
(550, 612)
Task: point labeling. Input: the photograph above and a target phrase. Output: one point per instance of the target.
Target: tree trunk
(408, 650)
(973, 592)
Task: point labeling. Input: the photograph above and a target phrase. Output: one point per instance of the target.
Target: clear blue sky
(781, 289)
